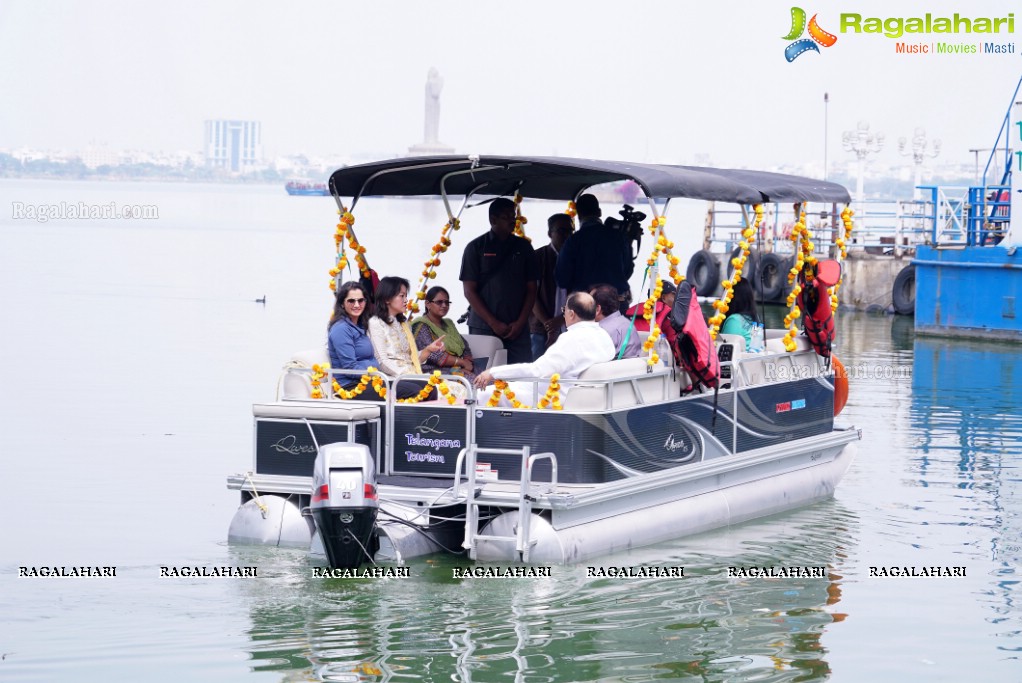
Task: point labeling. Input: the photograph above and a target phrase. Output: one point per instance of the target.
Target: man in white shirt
(608, 315)
(583, 345)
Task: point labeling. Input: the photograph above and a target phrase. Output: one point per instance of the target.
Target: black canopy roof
(564, 178)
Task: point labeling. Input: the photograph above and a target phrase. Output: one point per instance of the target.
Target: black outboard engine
(345, 504)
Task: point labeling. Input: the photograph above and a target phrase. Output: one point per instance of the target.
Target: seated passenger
(392, 338)
(347, 339)
(742, 319)
(608, 316)
(661, 313)
(455, 357)
(575, 351)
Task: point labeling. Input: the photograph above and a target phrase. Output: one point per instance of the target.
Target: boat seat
(299, 384)
(335, 411)
(486, 350)
(592, 391)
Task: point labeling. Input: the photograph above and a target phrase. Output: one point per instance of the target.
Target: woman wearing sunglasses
(455, 357)
(348, 338)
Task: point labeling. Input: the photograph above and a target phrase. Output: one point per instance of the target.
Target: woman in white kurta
(392, 338)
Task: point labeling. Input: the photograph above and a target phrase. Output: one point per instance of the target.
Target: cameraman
(595, 254)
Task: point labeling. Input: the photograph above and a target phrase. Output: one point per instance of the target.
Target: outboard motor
(345, 504)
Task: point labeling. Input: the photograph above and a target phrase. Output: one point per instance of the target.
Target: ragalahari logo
(802, 45)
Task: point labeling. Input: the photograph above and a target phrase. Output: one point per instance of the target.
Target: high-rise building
(236, 146)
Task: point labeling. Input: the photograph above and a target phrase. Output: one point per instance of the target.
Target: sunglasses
(355, 302)
(440, 302)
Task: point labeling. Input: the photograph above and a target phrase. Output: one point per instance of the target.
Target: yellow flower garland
(342, 233)
(434, 381)
(722, 304)
(842, 243)
(572, 212)
(321, 371)
(429, 267)
(664, 246)
(552, 398)
(801, 240)
(520, 220)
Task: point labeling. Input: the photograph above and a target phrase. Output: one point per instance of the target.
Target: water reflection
(965, 411)
(569, 626)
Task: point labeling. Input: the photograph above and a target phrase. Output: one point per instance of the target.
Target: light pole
(862, 143)
(826, 101)
(918, 153)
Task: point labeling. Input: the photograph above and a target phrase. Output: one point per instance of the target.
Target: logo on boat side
(817, 36)
(673, 445)
(289, 445)
(429, 425)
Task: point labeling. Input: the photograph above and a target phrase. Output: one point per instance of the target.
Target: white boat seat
(736, 340)
(592, 392)
(298, 384)
(337, 411)
(485, 350)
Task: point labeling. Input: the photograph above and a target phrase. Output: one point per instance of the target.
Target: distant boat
(306, 189)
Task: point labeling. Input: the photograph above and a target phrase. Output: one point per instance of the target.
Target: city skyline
(564, 79)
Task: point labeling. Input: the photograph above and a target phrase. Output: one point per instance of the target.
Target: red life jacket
(698, 355)
(662, 320)
(814, 300)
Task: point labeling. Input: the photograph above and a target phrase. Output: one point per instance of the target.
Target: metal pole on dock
(862, 143)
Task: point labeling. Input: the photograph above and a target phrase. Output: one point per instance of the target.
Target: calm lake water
(133, 349)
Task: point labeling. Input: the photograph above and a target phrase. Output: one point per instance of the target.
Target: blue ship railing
(989, 214)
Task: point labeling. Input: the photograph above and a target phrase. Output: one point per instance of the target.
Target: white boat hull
(666, 521)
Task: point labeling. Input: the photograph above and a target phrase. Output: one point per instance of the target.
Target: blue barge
(968, 280)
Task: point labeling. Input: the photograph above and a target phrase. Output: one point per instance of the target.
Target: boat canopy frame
(561, 178)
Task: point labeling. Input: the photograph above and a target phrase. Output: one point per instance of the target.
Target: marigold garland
(572, 212)
(842, 243)
(801, 239)
(342, 233)
(431, 263)
(648, 309)
(371, 376)
(434, 381)
(664, 246)
(722, 304)
(520, 220)
(551, 399)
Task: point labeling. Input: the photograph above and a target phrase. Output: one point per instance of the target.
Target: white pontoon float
(630, 460)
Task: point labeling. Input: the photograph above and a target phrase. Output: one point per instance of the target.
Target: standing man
(499, 273)
(545, 323)
(595, 253)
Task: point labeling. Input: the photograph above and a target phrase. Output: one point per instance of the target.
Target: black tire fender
(771, 276)
(903, 293)
(751, 265)
(703, 272)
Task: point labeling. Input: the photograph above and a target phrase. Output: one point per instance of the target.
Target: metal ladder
(521, 539)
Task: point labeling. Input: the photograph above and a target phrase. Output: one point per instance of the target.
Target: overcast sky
(653, 81)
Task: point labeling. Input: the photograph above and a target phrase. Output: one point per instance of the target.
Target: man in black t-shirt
(499, 273)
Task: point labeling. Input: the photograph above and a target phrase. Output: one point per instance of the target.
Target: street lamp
(862, 143)
(918, 153)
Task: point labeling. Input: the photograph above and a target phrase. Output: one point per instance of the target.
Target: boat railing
(882, 227)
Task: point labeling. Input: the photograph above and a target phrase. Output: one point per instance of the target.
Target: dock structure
(884, 250)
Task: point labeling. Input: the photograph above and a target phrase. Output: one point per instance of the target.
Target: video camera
(630, 224)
